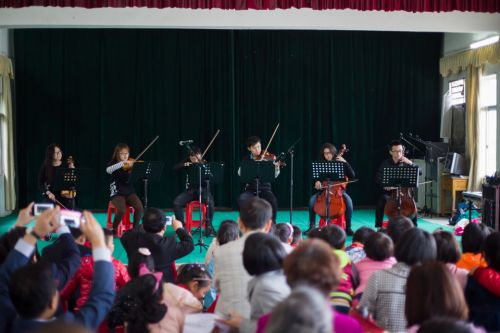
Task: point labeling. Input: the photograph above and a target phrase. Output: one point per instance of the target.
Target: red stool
(340, 221)
(190, 223)
(125, 223)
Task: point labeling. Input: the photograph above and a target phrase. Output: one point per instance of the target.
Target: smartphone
(71, 218)
(168, 220)
(38, 208)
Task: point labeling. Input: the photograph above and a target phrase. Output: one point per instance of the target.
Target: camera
(38, 208)
(168, 220)
(70, 218)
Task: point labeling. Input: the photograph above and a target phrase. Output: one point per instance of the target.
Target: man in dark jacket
(165, 250)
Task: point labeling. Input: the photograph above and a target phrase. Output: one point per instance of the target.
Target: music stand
(66, 179)
(146, 171)
(262, 171)
(400, 176)
(329, 171)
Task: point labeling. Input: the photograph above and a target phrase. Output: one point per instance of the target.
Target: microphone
(185, 142)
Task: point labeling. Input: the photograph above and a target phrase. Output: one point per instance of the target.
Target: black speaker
(491, 206)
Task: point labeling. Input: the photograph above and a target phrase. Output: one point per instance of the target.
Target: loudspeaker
(491, 206)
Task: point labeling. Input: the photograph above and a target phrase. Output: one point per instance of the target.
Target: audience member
(447, 325)
(230, 276)
(472, 246)
(313, 263)
(53, 252)
(397, 226)
(448, 252)
(297, 236)
(356, 250)
(379, 255)
(482, 289)
(284, 231)
(384, 295)
(263, 257)
(164, 249)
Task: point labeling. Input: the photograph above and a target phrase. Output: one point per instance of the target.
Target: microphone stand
(291, 151)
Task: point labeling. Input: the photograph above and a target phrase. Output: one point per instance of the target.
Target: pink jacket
(459, 273)
(367, 267)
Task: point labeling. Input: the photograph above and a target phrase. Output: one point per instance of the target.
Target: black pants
(120, 202)
(266, 195)
(191, 194)
(379, 211)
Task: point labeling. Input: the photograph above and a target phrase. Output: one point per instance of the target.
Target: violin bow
(142, 152)
(271, 139)
(211, 141)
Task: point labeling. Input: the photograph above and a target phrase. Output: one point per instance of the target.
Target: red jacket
(83, 279)
(488, 278)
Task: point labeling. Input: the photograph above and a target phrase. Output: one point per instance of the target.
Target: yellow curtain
(6, 121)
(472, 130)
(456, 63)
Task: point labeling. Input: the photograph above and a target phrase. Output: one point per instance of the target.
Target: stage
(361, 217)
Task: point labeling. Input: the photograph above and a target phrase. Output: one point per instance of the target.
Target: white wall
(4, 42)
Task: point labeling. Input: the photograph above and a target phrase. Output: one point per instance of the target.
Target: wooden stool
(190, 223)
(125, 223)
(340, 221)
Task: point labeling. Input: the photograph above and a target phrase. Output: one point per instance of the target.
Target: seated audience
(304, 311)
(284, 231)
(472, 246)
(397, 226)
(165, 249)
(313, 263)
(33, 290)
(384, 295)
(341, 298)
(432, 291)
(356, 251)
(82, 280)
(448, 252)
(447, 325)
(230, 276)
(482, 289)
(263, 257)
(379, 255)
(297, 236)
(53, 252)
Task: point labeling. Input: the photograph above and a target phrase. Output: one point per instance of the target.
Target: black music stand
(262, 171)
(66, 179)
(329, 171)
(146, 171)
(400, 176)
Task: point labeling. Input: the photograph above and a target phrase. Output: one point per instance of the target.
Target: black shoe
(210, 231)
(311, 227)
(349, 232)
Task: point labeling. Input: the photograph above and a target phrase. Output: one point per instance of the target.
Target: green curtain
(89, 89)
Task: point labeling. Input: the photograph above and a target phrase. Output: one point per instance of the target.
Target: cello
(330, 204)
(400, 202)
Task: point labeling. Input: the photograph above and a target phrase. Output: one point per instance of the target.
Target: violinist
(265, 191)
(192, 191)
(329, 153)
(46, 176)
(122, 192)
(396, 150)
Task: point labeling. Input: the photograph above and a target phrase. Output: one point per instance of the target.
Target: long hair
(116, 151)
(330, 147)
(138, 304)
(47, 162)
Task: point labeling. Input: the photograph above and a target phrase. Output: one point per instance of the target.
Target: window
(457, 91)
(487, 124)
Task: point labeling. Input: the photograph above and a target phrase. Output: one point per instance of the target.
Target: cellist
(329, 153)
(396, 150)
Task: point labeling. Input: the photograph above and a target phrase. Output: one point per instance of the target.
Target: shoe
(311, 227)
(210, 231)
(349, 232)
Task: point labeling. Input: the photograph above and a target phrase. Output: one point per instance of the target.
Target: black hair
(263, 253)
(492, 250)
(194, 151)
(255, 213)
(448, 250)
(47, 162)
(379, 246)
(107, 234)
(330, 147)
(252, 140)
(75, 232)
(333, 235)
(153, 220)
(397, 226)
(362, 234)
(315, 233)
(283, 231)
(193, 272)
(395, 143)
(138, 304)
(415, 246)
(473, 237)
(297, 234)
(8, 242)
(445, 325)
(31, 289)
(228, 231)
(138, 258)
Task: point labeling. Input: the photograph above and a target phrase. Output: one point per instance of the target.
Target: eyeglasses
(396, 151)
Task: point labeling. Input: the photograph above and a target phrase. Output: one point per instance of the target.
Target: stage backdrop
(89, 89)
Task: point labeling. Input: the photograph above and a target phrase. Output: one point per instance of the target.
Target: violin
(127, 166)
(267, 156)
(332, 206)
